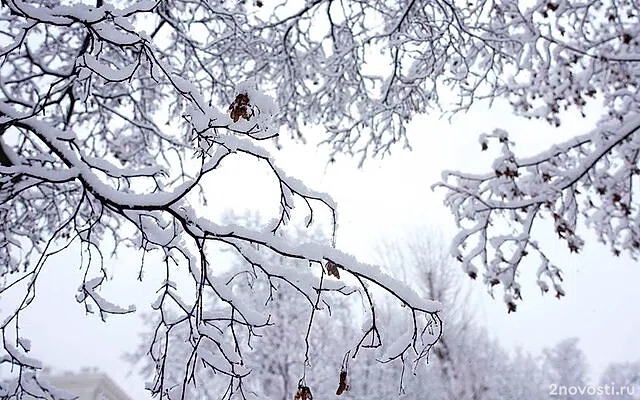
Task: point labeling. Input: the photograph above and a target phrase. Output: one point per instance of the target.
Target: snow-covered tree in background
(526, 377)
(466, 364)
(112, 115)
(565, 367)
(622, 381)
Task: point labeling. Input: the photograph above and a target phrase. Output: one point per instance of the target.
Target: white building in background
(89, 385)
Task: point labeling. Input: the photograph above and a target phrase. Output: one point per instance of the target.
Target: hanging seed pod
(342, 385)
(303, 393)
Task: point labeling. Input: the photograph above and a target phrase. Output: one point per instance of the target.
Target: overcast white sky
(381, 201)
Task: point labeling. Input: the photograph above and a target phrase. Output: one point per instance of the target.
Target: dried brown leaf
(332, 269)
(241, 108)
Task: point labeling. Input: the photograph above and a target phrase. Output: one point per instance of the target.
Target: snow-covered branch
(106, 133)
(592, 176)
